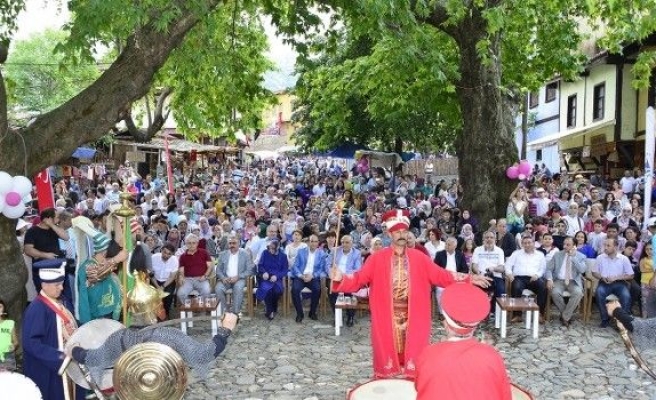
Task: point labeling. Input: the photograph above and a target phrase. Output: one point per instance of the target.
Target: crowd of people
(302, 219)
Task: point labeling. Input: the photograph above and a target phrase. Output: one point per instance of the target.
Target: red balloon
(512, 172)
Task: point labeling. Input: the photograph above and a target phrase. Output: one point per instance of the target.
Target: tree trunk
(13, 273)
(524, 108)
(486, 146)
(53, 137)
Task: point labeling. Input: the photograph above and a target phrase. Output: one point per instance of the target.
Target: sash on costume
(65, 326)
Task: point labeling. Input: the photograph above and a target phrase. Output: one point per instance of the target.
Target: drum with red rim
(384, 389)
(402, 389)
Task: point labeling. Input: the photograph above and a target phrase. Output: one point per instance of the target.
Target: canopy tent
(346, 150)
(264, 154)
(380, 159)
(289, 149)
(84, 153)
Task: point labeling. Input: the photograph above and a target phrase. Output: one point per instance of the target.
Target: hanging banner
(169, 168)
(44, 191)
(649, 163)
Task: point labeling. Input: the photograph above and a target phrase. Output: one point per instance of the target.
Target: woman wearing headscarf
(271, 271)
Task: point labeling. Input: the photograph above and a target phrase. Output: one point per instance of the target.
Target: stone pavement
(283, 360)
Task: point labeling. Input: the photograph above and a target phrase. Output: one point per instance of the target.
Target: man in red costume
(461, 367)
(400, 280)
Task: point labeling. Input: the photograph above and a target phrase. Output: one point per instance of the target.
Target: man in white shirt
(574, 222)
(628, 183)
(525, 269)
(306, 272)
(541, 202)
(233, 267)
(489, 259)
(165, 268)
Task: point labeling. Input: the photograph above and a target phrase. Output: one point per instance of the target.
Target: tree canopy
(39, 79)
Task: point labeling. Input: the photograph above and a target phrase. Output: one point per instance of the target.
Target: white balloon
(3, 203)
(6, 182)
(14, 212)
(22, 185)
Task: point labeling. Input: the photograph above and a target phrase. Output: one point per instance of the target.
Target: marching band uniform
(47, 324)
(461, 367)
(391, 279)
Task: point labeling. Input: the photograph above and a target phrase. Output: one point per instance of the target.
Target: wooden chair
(251, 301)
(323, 298)
(583, 308)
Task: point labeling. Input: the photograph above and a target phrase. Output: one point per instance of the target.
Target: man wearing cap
(401, 323)
(541, 202)
(98, 288)
(47, 324)
(461, 367)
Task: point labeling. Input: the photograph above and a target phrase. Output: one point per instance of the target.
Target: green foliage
(9, 10)
(217, 74)
(374, 90)
(40, 79)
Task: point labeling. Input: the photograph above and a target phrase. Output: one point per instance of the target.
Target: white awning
(554, 138)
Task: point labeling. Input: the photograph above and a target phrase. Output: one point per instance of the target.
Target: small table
(188, 312)
(361, 305)
(505, 304)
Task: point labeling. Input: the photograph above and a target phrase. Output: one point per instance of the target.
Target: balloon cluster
(13, 193)
(519, 171)
(362, 162)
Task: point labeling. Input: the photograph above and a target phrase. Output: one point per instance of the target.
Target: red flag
(44, 191)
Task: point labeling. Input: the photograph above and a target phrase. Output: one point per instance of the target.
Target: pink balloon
(521, 177)
(13, 199)
(512, 172)
(524, 167)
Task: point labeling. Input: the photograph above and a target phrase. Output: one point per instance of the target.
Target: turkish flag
(44, 191)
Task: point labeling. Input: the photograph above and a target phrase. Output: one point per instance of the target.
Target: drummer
(47, 324)
(461, 367)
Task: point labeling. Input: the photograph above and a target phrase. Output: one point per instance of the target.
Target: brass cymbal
(90, 336)
(150, 371)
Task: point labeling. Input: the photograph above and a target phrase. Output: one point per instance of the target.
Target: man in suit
(347, 260)
(308, 269)
(564, 273)
(234, 266)
(450, 259)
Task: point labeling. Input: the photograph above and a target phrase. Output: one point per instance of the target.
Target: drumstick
(64, 365)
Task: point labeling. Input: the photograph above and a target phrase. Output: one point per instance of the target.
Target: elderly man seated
(565, 273)
(233, 267)
(195, 267)
(525, 269)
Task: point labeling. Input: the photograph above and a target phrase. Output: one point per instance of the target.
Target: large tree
(460, 66)
(390, 92)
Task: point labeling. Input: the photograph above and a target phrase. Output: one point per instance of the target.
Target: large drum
(19, 386)
(401, 389)
(384, 389)
(520, 394)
